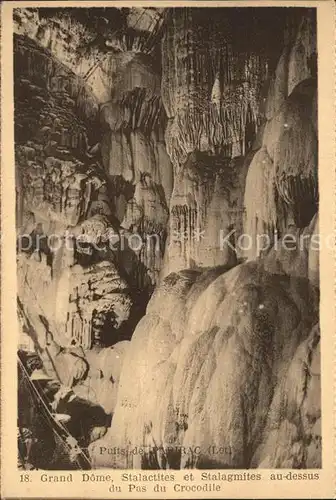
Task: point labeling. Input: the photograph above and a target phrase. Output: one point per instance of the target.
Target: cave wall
(91, 160)
(91, 171)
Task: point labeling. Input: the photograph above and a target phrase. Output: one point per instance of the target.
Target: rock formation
(91, 166)
(167, 223)
(213, 369)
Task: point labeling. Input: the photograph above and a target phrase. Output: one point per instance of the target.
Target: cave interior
(162, 157)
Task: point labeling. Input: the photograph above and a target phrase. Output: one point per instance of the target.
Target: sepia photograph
(167, 249)
(166, 173)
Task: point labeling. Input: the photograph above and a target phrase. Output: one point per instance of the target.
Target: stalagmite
(187, 378)
(260, 204)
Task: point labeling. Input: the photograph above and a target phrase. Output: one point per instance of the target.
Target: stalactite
(135, 158)
(208, 108)
(45, 71)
